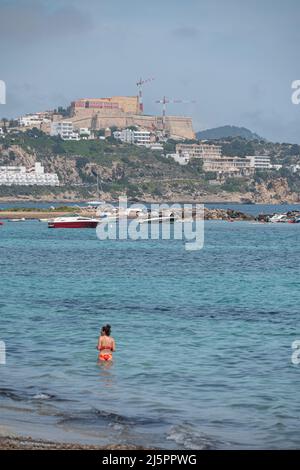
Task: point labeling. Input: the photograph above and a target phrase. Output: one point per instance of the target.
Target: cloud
(33, 21)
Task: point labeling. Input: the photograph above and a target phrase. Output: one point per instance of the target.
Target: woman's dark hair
(106, 329)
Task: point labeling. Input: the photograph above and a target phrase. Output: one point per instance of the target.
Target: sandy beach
(29, 215)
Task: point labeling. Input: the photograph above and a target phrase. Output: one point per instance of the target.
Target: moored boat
(294, 220)
(73, 222)
(95, 203)
(290, 217)
(158, 217)
(17, 220)
(278, 218)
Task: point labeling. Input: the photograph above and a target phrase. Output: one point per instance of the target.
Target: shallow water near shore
(204, 338)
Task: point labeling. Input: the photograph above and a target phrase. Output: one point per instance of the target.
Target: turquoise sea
(203, 338)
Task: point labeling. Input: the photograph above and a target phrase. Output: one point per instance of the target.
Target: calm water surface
(204, 338)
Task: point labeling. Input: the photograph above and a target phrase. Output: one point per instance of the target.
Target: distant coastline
(180, 200)
(107, 169)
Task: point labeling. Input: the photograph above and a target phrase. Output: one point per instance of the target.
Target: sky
(236, 59)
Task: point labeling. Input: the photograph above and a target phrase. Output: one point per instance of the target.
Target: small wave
(42, 396)
(12, 394)
(102, 417)
(18, 395)
(162, 309)
(187, 436)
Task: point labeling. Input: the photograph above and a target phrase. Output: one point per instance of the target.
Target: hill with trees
(227, 131)
(108, 168)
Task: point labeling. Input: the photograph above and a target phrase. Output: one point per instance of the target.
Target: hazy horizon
(236, 60)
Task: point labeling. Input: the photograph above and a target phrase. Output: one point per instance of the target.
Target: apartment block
(230, 165)
(64, 129)
(138, 137)
(200, 150)
(260, 162)
(19, 175)
(34, 120)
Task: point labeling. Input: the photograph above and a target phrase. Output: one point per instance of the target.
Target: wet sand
(27, 443)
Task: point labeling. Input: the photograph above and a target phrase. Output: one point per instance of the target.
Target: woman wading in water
(106, 344)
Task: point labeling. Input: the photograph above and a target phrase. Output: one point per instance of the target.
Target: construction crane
(140, 84)
(164, 101)
(94, 122)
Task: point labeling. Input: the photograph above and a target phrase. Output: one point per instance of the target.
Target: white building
(156, 147)
(64, 129)
(295, 168)
(1, 132)
(34, 120)
(19, 175)
(234, 166)
(142, 138)
(179, 158)
(200, 150)
(126, 135)
(85, 133)
(276, 167)
(131, 136)
(260, 162)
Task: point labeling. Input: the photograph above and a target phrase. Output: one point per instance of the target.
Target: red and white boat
(73, 222)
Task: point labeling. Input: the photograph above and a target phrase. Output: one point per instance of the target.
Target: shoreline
(28, 443)
(6, 200)
(19, 215)
(46, 214)
(36, 215)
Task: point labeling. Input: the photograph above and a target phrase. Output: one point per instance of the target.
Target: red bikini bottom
(105, 357)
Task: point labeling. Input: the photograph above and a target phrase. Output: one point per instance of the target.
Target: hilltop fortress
(122, 112)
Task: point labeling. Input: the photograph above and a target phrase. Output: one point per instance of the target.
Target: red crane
(140, 84)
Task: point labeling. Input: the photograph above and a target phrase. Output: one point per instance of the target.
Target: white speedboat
(278, 218)
(17, 220)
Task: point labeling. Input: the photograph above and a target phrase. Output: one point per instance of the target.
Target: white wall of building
(295, 168)
(85, 133)
(260, 162)
(200, 150)
(64, 129)
(181, 159)
(131, 136)
(142, 137)
(157, 147)
(126, 135)
(19, 175)
(33, 120)
(276, 167)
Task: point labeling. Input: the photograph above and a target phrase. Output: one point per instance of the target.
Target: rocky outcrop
(15, 155)
(276, 190)
(226, 214)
